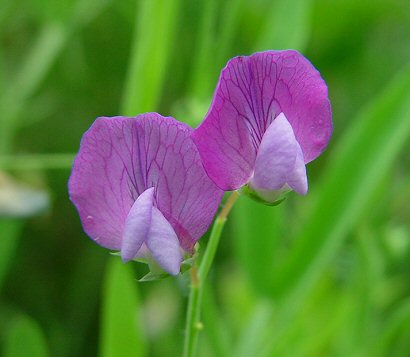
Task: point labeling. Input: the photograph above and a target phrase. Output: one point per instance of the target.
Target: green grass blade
(82, 290)
(226, 37)
(37, 63)
(257, 231)
(3, 77)
(38, 60)
(86, 11)
(6, 7)
(121, 332)
(36, 161)
(398, 321)
(203, 65)
(249, 337)
(216, 330)
(153, 41)
(25, 338)
(287, 25)
(46, 48)
(9, 233)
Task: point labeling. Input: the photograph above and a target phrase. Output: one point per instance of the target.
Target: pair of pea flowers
(149, 186)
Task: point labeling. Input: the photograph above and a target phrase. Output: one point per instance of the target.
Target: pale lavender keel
(163, 243)
(279, 161)
(137, 225)
(146, 225)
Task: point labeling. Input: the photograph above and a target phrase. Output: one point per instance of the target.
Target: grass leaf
(9, 233)
(155, 27)
(121, 332)
(25, 338)
(287, 25)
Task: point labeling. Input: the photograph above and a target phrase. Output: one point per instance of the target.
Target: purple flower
(269, 117)
(140, 187)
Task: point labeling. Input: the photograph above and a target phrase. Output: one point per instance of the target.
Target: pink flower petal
(121, 157)
(137, 225)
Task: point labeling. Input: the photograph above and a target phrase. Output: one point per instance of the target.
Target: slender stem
(198, 276)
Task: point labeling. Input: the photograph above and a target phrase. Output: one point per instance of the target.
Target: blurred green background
(322, 275)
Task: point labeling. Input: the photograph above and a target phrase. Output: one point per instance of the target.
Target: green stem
(198, 277)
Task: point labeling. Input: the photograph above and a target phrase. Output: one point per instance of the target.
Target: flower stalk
(198, 277)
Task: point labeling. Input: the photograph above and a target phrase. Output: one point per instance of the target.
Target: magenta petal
(121, 157)
(297, 180)
(163, 243)
(251, 92)
(276, 157)
(137, 225)
(99, 184)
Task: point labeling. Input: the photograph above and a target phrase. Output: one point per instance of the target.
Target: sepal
(268, 198)
(154, 277)
(156, 272)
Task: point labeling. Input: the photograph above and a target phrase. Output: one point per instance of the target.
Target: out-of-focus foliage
(25, 338)
(323, 275)
(120, 313)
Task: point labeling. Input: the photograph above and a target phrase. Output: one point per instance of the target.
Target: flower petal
(121, 157)
(137, 225)
(297, 180)
(163, 243)
(276, 157)
(251, 92)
